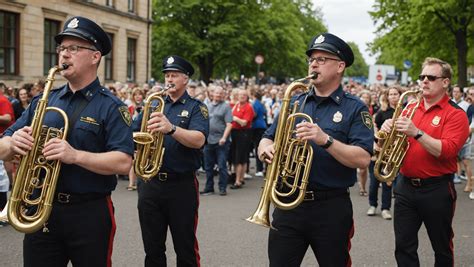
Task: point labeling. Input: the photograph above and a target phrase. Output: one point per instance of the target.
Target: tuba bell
(150, 150)
(394, 145)
(33, 191)
(288, 174)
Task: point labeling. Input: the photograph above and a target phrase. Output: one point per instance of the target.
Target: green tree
(222, 37)
(420, 28)
(359, 67)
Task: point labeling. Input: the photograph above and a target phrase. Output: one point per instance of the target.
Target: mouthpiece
(169, 86)
(64, 66)
(313, 76)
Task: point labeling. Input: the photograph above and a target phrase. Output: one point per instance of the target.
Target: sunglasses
(431, 78)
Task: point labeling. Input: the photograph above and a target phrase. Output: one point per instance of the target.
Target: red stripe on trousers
(196, 245)
(112, 230)
(349, 245)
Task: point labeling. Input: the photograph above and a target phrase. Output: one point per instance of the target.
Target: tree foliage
(222, 37)
(359, 67)
(416, 29)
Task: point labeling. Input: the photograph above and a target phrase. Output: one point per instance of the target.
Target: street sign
(259, 59)
(407, 64)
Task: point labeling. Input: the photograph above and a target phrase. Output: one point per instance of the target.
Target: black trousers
(324, 224)
(172, 203)
(82, 233)
(432, 205)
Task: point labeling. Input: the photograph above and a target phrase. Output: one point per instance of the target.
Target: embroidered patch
(204, 111)
(125, 115)
(367, 119)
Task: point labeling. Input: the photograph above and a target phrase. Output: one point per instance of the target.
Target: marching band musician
(425, 193)
(171, 199)
(342, 140)
(99, 144)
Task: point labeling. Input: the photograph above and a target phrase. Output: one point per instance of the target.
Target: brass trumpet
(35, 184)
(394, 144)
(288, 174)
(150, 150)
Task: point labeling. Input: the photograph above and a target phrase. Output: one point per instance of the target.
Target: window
(131, 6)
(50, 57)
(131, 57)
(9, 34)
(109, 61)
(109, 3)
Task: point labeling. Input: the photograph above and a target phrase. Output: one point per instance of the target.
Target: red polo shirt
(244, 112)
(444, 121)
(6, 108)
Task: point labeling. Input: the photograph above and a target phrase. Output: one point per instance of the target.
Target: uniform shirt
(445, 121)
(219, 115)
(187, 113)
(102, 126)
(345, 118)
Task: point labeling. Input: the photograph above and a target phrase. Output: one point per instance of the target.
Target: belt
(66, 198)
(419, 182)
(323, 194)
(174, 176)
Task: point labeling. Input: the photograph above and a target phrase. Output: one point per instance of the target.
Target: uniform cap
(88, 30)
(177, 63)
(332, 44)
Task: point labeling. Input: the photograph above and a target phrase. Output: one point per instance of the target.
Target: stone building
(28, 27)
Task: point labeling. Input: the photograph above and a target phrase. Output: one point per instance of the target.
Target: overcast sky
(349, 20)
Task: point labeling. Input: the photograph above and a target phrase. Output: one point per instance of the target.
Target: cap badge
(170, 60)
(319, 40)
(337, 117)
(73, 23)
(436, 120)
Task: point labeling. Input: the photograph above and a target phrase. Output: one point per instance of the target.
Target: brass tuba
(150, 150)
(288, 174)
(394, 144)
(35, 183)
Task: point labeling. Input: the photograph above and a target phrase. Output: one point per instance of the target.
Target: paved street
(226, 239)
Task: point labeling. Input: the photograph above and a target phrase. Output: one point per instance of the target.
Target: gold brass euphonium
(35, 183)
(150, 150)
(288, 174)
(394, 145)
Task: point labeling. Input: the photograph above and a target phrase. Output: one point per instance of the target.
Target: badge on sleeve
(125, 115)
(367, 119)
(204, 111)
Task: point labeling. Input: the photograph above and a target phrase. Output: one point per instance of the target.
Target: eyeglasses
(320, 60)
(431, 78)
(72, 49)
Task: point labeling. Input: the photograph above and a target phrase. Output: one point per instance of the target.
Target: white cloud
(350, 20)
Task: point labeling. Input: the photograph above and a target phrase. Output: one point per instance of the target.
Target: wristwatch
(328, 142)
(173, 129)
(419, 134)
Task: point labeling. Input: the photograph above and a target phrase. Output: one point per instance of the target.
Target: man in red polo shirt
(425, 191)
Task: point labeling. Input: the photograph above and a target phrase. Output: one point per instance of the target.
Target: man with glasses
(99, 144)
(342, 139)
(425, 191)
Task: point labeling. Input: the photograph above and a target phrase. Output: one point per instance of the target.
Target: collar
(336, 96)
(442, 103)
(88, 92)
(181, 100)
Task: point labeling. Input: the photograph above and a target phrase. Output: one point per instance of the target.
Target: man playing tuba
(342, 140)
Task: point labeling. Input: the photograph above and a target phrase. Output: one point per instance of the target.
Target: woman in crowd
(135, 108)
(22, 103)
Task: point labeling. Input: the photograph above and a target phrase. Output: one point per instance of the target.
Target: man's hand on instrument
(58, 149)
(311, 131)
(266, 154)
(22, 141)
(406, 126)
(159, 123)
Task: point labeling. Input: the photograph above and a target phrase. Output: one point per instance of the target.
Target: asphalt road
(226, 239)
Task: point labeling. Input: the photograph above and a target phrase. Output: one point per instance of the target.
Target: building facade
(28, 27)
